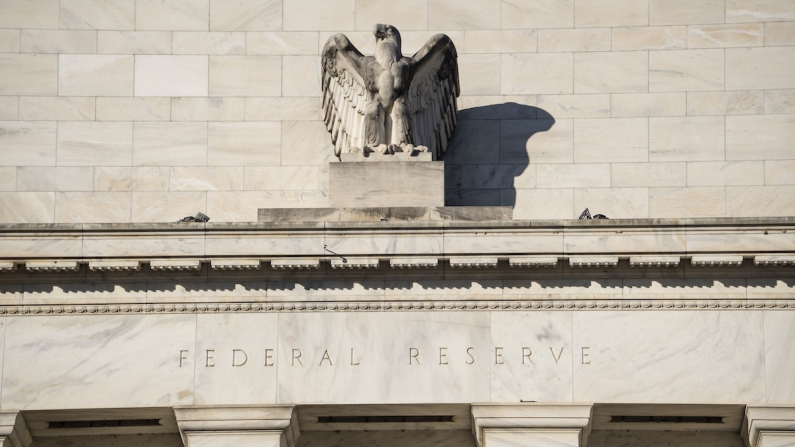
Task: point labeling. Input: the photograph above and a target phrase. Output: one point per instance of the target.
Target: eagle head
(386, 33)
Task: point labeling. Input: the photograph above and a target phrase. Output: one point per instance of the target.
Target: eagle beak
(379, 31)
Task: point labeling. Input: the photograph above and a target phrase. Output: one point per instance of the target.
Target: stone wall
(150, 110)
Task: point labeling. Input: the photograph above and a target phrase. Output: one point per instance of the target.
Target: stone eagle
(390, 103)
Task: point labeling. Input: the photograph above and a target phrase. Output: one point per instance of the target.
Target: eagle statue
(387, 102)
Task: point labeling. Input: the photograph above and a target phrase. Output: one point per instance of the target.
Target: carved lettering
(268, 356)
(557, 358)
(586, 353)
(526, 353)
(209, 358)
(472, 357)
(498, 356)
(413, 353)
(297, 357)
(326, 357)
(182, 357)
(235, 353)
(443, 356)
(352, 362)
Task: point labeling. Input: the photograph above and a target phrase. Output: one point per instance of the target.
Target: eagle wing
(433, 92)
(343, 92)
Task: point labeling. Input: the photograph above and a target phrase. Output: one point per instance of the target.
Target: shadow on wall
(488, 155)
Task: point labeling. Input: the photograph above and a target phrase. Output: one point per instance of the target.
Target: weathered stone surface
(386, 184)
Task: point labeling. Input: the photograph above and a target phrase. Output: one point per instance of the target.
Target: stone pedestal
(531, 425)
(238, 426)
(386, 184)
(769, 426)
(13, 430)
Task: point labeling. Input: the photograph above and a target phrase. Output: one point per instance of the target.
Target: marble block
(386, 184)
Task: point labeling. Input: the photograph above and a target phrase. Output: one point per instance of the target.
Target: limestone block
(95, 75)
(243, 144)
(71, 375)
(582, 175)
(275, 178)
(706, 365)
(479, 74)
(92, 207)
(779, 172)
(497, 176)
(720, 173)
(535, 141)
(611, 72)
(563, 40)
(98, 14)
(779, 358)
(405, 15)
(167, 206)
(762, 137)
(171, 75)
(376, 184)
(27, 143)
(648, 104)
(759, 11)
(42, 14)
(552, 73)
(502, 41)
(615, 203)
(59, 41)
(687, 202)
(206, 179)
(134, 42)
(301, 76)
(725, 103)
(28, 74)
(759, 68)
(748, 201)
(56, 108)
(170, 144)
(780, 101)
(277, 43)
(478, 197)
(365, 43)
(686, 139)
(574, 106)
(779, 34)
(466, 14)
(199, 42)
(310, 15)
(628, 175)
(685, 12)
(245, 76)
(413, 40)
(611, 140)
(686, 70)
(10, 40)
(246, 15)
(723, 36)
(27, 207)
(55, 179)
(297, 215)
(9, 108)
(497, 107)
(241, 206)
(650, 38)
(730, 288)
(207, 109)
(49, 294)
(302, 143)
(87, 143)
(283, 109)
(522, 14)
(8, 178)
(175, 15)
(131, 179)
(133, 109)
(609, 13)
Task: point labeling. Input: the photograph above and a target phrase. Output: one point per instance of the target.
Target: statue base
(386, 184)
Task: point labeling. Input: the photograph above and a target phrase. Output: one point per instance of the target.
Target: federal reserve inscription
(531, 356)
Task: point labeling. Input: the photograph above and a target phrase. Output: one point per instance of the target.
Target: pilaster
(769, 426)
(238, 426)
(13, 430)
(531, 424)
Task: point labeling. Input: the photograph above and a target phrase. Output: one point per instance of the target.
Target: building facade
(498, 319)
